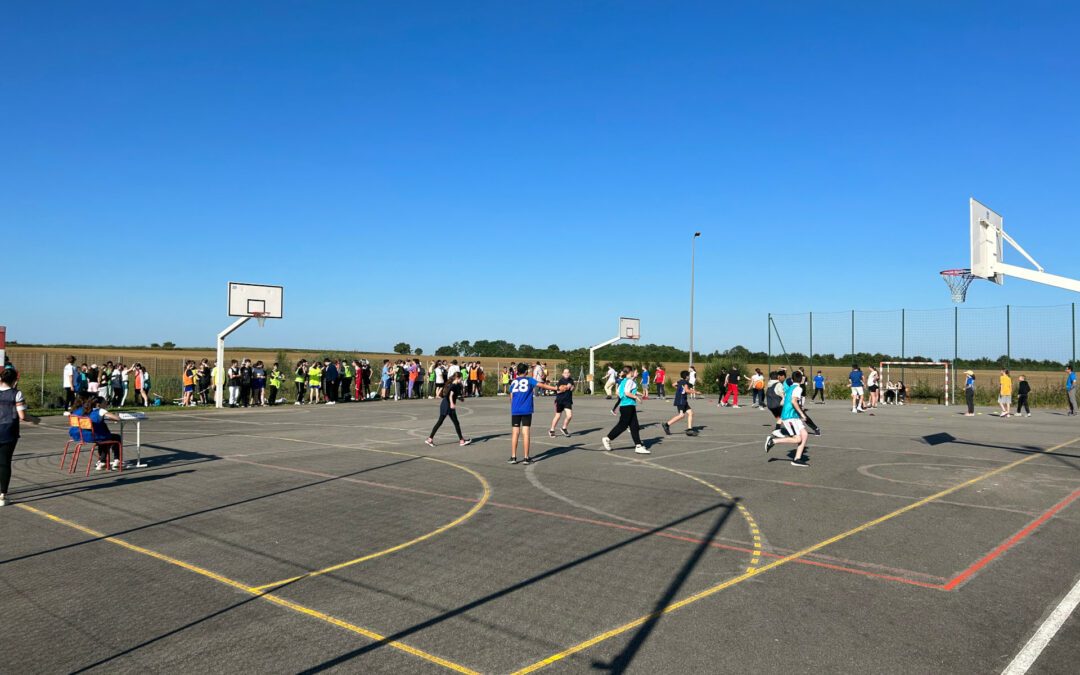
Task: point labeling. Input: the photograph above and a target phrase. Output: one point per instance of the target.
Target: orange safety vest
(189, 379)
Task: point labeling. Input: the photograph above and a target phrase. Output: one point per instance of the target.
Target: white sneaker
(641, 450)
(1029, 414)
(854, 410)
(606, 443)
(736, 406)
(331, 402)
(3, 500)
(99, 466)
(429, 442)
(115, 464)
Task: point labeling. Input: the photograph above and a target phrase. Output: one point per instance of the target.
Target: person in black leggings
(12, 410)
(628, 399)
(450, 395)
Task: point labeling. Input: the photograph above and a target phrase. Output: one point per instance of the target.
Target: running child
(792, 416)
(682, 388)
(564, 402)
(521, 410)
(449, 395)
(628, 399)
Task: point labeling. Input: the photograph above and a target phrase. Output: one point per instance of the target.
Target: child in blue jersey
(819, 388)
(682, 392)
(105, 439)
(645, 383)
(793, 419)
(855, 378)
(521, 410)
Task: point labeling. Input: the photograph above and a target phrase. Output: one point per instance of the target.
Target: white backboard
(247, 299)
(986, 242)
(629, 329)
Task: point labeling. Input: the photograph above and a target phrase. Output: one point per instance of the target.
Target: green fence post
(903, 333)
(853, 336)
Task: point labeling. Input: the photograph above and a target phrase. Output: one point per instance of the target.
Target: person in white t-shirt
(609, 382)
(872, 386)
(693, 381)
(757, 388)
(69, 383)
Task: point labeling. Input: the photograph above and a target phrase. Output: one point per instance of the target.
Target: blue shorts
(188, 387)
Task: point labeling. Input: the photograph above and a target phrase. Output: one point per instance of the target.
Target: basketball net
(260, 317)
(958, 282)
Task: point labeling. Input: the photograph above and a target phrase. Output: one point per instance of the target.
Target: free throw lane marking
(281, 602)
(1042, 637)
(781, 562)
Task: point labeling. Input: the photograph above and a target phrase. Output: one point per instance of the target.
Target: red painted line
(1010, 542)
(622, 526)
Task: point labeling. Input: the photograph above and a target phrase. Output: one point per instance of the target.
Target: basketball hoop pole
(220, 385)
(592, 358)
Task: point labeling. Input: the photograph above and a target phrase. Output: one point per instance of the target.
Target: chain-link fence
(1036, 341)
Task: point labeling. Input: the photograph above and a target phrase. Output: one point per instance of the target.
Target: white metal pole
(693, 241)
(221, 357)
(592, 358)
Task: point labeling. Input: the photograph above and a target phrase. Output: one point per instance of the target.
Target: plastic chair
(86, 431)
(75, 437)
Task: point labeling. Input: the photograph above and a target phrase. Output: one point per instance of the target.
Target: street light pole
(693, 240)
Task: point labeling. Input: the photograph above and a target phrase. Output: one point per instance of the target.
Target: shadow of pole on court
(623, 659)
(491, 597)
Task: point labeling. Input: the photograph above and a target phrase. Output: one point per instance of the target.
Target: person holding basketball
(564, 402)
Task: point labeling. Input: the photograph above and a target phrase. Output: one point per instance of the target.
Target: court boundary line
(712, 590)
(1044, 634)
(273, 599)
(999, 550)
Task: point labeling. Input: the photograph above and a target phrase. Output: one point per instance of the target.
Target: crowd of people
(113, 382)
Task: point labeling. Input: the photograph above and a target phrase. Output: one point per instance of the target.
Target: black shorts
(683, 407)
(873, 388)
(559, 406)
(521, 420)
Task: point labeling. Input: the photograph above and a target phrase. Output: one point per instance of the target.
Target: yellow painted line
(543, 663)
(755, 556)
(356, 561)
(281, 602)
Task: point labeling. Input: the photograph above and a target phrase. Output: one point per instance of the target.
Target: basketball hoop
(260, 317)
(958, 282)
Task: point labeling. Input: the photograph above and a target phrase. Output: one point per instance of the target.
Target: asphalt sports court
(331, 538)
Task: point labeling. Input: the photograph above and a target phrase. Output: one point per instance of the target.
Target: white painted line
(1042, 637)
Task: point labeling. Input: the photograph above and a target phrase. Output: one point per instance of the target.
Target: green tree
(168, 345)
(418, 351)
(402, 348)
(445, 350)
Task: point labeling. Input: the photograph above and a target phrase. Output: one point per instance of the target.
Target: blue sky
(430, 172)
